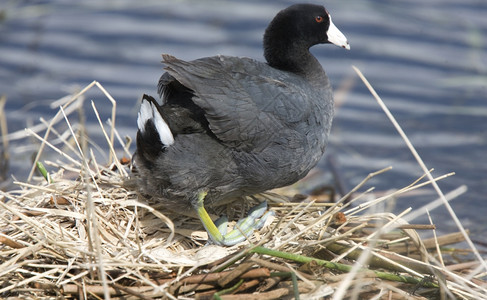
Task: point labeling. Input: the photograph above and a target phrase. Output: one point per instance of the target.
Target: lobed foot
(217, 231)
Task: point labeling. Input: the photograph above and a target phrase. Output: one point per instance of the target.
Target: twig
(274, 266)
(405, 226)
(28, 280)
(451, 238)
(274, 294)
(377, 262)
(9, 242)
(130, 291)
(238, 271)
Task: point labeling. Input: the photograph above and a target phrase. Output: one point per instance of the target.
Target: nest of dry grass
(82, 231)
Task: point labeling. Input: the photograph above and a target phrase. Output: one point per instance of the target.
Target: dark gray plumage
(240, 126)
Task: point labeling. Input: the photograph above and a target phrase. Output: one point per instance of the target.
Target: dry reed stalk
(4, 150)
(423, 166)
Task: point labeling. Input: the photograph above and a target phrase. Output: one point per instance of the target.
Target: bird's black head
(295, 29)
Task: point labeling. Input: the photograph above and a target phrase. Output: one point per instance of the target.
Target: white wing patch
(147, 112)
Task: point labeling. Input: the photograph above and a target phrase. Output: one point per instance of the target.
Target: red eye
(319, 19)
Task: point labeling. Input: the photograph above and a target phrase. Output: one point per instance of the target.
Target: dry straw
(81, 231)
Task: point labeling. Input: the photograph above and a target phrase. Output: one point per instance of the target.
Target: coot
(233, 126)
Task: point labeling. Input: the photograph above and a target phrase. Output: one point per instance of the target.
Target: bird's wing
(246, 103)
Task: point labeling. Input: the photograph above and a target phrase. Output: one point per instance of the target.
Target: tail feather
(154, 134)
(149, 116)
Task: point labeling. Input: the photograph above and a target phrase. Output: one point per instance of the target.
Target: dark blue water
(427, 60)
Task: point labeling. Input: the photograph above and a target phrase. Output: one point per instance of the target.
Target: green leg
(244, 228)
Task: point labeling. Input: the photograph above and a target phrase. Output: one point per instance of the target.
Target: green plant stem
(341, 267)
(217, 295)
(43, 171)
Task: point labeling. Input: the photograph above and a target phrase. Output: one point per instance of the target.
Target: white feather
(165, 134)
(148, 111)
(144, 115)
